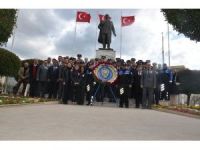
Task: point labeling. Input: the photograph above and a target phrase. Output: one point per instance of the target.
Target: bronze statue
(106, 29)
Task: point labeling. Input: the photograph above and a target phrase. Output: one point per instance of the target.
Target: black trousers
(156, 96)
(16, 88)
(78, 94)
(70, 93)
(89, 92)
(65, 94)
(42, 88)
(60, 90)
(53, 88)
(34, 92)
(133, 90)
(165, 94)
(124, 94)
(138, 97)
(105, 40)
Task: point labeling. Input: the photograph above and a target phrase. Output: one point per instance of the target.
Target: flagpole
(163, 58)
(120, 53)
(168, 45)
(96, 31)
(14, 31)
(74, 46)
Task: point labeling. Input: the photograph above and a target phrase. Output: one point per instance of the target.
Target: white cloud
(43, 33)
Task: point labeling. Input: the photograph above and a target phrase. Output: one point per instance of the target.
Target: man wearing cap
(136, 84)
(166, 76)
(124, 82)
(106, 29)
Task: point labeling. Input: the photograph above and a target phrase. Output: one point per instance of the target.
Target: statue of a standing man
(106, 29)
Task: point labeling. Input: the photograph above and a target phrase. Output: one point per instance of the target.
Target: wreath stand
(98, 72)
(93, 98)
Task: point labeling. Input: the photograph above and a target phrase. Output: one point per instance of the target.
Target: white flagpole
(14, 31)
(97, 13)
(121, 35)
(163, 57)
(168, 45)
(74, 45)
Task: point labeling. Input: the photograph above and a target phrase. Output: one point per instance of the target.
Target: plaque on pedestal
(108, 53)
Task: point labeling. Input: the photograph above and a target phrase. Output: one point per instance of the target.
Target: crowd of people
(70, 79)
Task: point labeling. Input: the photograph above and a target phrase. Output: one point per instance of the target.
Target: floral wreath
(105, 72)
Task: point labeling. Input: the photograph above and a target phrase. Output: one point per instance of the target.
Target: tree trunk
(188, 99)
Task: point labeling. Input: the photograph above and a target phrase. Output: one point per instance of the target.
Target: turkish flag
(83, 17)
(127, 20)
(101, 18)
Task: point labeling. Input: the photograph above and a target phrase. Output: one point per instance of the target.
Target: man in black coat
(65, 76)
(77, 78)
(89, 86)
(53, 74)
(33, 68)
(134, 73)
(136, 83)
(60, 82)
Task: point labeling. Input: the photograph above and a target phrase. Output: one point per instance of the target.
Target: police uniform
(166, 77)
(125, 80)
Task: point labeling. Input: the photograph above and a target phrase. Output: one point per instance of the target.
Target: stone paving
(72, 122)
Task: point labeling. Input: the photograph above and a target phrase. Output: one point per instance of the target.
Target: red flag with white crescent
(83, 17)
(101, 18)
(127, 20)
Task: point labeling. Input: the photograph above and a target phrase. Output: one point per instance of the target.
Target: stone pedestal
(109, 54)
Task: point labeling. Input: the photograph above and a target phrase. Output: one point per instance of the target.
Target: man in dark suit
(89, 80)
(32, 77)
(137, 84)
(60, 82)
(77, 79)
(65, 76)
(53, 74)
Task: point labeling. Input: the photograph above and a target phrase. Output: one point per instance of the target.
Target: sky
(43, 33)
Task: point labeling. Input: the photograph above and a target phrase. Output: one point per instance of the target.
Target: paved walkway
(72, 122)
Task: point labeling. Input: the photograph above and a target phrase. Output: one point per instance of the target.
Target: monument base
(108, 53)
